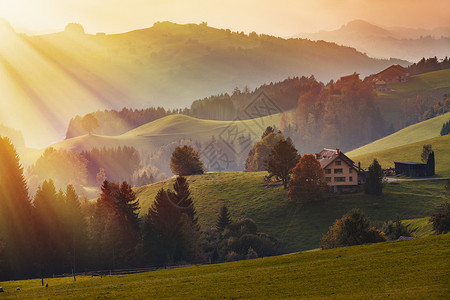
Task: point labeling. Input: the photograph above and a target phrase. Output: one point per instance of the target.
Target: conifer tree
(374, 180)
(16, 228)
(182, 198)
(430, 164)
(224, 219)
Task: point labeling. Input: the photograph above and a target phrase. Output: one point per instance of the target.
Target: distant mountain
(69, 73)
(384, 42)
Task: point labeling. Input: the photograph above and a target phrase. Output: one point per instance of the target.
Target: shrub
(441, 218)
(352, 229)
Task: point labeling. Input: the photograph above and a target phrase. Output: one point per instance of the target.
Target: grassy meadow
(416, 269)
(298, 227)
(418, 132)
(410, 153)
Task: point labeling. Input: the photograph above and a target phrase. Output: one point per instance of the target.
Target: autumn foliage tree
(186, 161)
(307, 183)
(258, 155)
(282, 159)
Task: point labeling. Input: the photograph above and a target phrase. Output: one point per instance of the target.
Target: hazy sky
(276, 17)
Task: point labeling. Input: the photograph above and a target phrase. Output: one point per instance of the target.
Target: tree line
(56, 232)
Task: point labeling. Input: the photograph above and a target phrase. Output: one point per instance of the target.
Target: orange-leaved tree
(307, 183)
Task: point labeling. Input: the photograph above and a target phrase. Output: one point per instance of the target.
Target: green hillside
(172, 128)
(401, 269)
(421, 227)
(418, 132)
(410, 153)
(298, 227)
(432, 86)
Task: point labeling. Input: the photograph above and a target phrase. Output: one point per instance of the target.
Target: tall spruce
(430, 164)
(374, 180)
(224, 219)
(16, 228)
(166, 225)
(182, 198)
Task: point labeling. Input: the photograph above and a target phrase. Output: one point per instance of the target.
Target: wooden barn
(411, 169)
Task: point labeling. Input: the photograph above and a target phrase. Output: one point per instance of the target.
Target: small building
(347, 80)
(340, 171)
(394, 73)
(411, 169)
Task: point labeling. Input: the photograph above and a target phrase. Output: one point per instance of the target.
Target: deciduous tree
(282, 159)
(308, 180)
(89, 123)
(186, 161)
(352, 229)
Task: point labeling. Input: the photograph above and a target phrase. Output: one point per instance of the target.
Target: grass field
(416, 269)
(432, 85)
(410, 153)
(418, 132)
(298, 227)
(421, 226)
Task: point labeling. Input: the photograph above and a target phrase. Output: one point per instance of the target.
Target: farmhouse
(394, 73)
(341, 173)
(411, 169)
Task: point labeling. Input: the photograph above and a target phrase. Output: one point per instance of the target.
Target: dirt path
(390, 179)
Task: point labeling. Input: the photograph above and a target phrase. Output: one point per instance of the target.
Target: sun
(24, 14)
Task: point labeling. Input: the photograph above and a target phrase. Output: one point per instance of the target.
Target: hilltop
(377, 41)
(166, 65)
(401, 269)
(298, 227)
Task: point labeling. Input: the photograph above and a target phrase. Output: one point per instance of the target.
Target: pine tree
(224, 219)
(182, 198)
(117, 209)
(166, 225)
(430, 164)
(16, 214)
(282, 159)
(374, 180)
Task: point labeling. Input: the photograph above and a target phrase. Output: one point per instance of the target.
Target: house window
(327, 171)
(350, 170)
(339, 179)
(338, 171)
(338, 163)
(328, 179)
(350, 178)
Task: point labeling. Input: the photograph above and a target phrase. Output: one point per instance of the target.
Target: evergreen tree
(75, 227)
(374, 180)
(430, 164)
(224, 219)
(181, 197)
(16, 228)
(117, 209)
(282, 159)
(50, 228)
(445, 128)
(308, 180)
(166, 226)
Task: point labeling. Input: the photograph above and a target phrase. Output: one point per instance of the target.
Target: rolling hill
(377, 41)
(401, 269)
(418, 132)
(411, 153)
(298, 227)
(166, 65)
